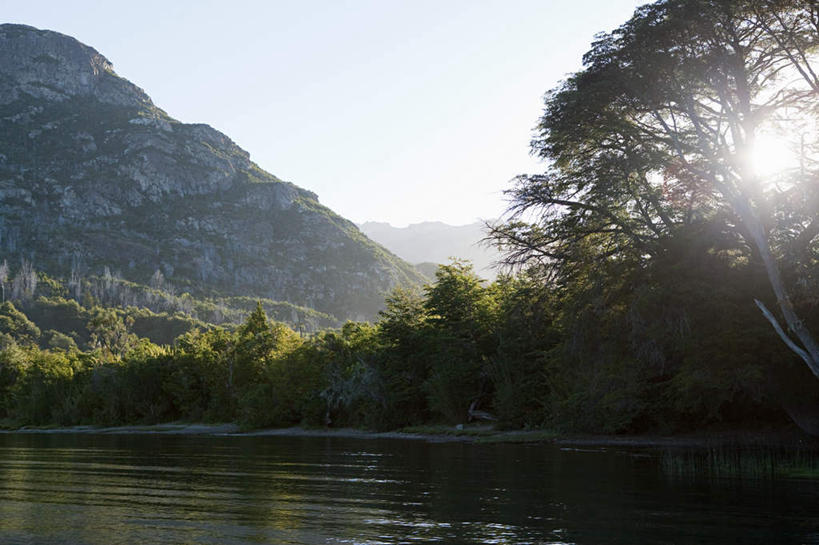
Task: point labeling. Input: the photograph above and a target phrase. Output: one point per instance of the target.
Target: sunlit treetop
(692, 110)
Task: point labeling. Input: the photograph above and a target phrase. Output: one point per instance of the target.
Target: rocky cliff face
(92, 174)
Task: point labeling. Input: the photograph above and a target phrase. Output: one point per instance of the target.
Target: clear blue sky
(391, 111)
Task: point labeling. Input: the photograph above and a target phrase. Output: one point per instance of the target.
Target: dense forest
(621, 349)
(663, 274)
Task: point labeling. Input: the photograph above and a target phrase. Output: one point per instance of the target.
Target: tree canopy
(666, 131)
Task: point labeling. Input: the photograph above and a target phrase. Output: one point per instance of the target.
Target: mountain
(93, 175)
(435, 242)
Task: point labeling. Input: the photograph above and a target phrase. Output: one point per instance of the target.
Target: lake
(116, 489)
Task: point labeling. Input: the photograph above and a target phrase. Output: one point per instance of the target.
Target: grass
(801, 473)
(743, 463)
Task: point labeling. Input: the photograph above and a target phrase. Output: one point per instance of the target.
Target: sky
(394, 111)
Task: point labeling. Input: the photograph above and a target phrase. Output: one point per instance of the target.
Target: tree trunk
(809, 349)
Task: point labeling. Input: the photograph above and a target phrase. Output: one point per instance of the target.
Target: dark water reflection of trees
(88, 489)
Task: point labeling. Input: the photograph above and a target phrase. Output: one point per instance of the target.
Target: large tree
(667, 125)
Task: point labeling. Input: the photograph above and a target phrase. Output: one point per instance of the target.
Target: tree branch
(784, 336)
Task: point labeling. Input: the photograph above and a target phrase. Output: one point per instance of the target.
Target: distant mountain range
(95, 177)
(434, 242)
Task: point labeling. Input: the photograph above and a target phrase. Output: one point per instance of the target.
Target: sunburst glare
(774, 154)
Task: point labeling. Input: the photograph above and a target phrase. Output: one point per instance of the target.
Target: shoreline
(233, 430)
(787, 438)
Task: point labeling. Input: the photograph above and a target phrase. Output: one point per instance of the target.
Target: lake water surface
(113, 489)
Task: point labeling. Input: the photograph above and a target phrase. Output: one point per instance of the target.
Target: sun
(774, 155)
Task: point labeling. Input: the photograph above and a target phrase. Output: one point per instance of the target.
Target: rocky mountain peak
(53, 66)
(94, 177)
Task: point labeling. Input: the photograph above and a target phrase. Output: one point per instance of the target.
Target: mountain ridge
(436, 242)
(93, 174)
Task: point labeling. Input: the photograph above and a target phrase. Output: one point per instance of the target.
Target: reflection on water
(84, 489)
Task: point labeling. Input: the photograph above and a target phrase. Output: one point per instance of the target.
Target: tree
(258, 342)
(406, 358)
(110, 333)
(200, 380)
(4, 277)
(525, 332)
(15, 326)
(25, 282)
(659, 131)
(460, 315)
(354, 392)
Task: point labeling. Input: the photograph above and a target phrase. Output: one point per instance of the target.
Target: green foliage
(50, 287)
(461, 320)
(59, 314)
(289, 392)
(656, 231)
(16, 327)
(57, 341)
(46, 393)
(406, 359)
(199, 380)
(13, 365)
(641, 250)
(613, 347)
(260, 374)
(525, 334)
(354, 393)
(110, 333)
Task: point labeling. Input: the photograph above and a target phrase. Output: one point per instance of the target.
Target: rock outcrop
(93, 174)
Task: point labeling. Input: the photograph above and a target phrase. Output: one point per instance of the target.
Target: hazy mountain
(93, 174)
(435, 242)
